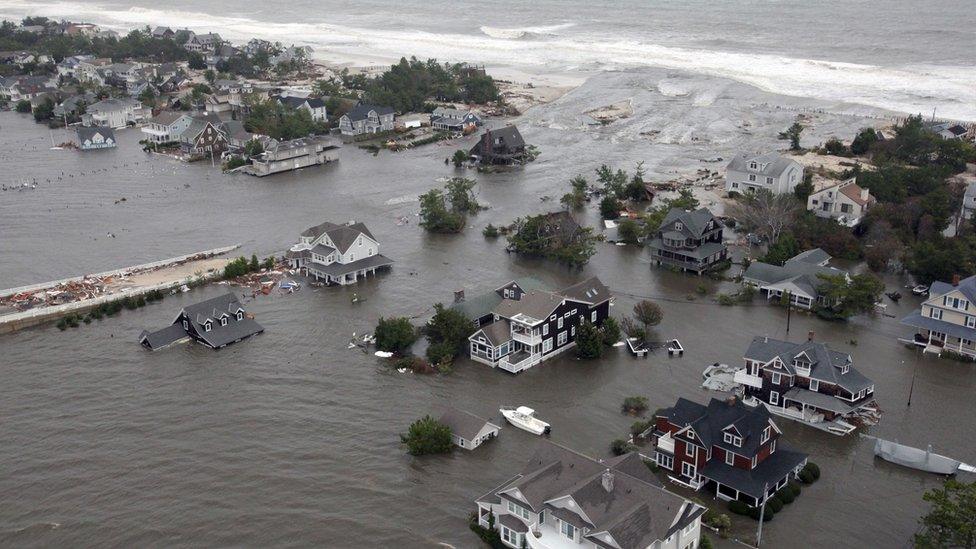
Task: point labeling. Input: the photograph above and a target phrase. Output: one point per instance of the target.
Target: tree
(781, 251)
(951, 522)
(610, 331)
(649, 314)
(44, 111)
(835, 147)
(253, 148)
(634, 405)
(805, 188)
(863, 141)
(254, 265)
(459, 158)
(394, 335)
(589, 341)
(552, 236)
(613, 182)
(610, 207)
(765, 213)
(427, 436)
(846, 298)
(210, 76)
(793, 135)
(447, 332)
(23, 106)
(628, 231)
(576, 198)
(460, 193)
(196, 61)
(435, 216)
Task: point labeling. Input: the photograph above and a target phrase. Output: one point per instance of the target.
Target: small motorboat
(921, 290)
(894, 296)
(923, 460)
(524, 418)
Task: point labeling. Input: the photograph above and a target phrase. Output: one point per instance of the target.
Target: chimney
(731, 400)
(607, 481)
(955, 280)
(810, 335)
(459, 296)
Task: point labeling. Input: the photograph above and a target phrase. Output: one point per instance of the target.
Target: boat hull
(923, 460)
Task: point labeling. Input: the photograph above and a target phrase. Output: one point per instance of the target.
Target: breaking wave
(524, 32)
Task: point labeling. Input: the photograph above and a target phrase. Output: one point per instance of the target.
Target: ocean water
(892, 54)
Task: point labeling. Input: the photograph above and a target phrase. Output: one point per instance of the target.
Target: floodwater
(291, 439)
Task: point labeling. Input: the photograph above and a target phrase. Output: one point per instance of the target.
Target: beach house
(689, 240)
(726, 447)
(95, 138)
(167, 126)
(562, 499)
(454, 120)
(315, 106)
(468, 431)
(215, 323)
(946, 321)
(114, 113)
(500, 146)
(772, 171)
(367, 119)
(337, 254)
(843, 201)
(799, 278)
(294, 155)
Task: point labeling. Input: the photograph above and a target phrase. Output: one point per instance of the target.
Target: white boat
(524, 418)
(923, 460)
(920, 290)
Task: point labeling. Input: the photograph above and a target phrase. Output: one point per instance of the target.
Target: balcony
(529, 338)
(665, 443)
(518, 361)
(545, 536)
(745, 378)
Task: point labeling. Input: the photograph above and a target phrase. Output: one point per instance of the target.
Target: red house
(728, 447)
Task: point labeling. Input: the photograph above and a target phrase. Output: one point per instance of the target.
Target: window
(769, 180)
(572, 331)
(765, 435)
(774, 398)
(360, 240)
(511, 536)
(753, 462)
(207, 326)
(729, 458)
(753, 165)
(559, 323)
(777, 378)
(752, 177)
(352, 257)
(971, 321)
(688, 470)
(545, 329)
(735, 185)
(566, 314)
(814, 385)
(185, 325)
(690, 450)
(935, 313)
(223, 321)
(593, 317)
(552, 318)
(574, 311)
(508, 293)
(547, 345)
(567, 529)
(678, 226)
(772, 446)
(665, 461)
(561, 338)
(518, 510)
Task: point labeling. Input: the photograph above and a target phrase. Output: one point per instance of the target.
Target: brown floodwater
(292, 439)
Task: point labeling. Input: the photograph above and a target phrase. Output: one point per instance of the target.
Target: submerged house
(808, 382)
(95, 138)
(337, 254)
(946, 321)
(564, 499)
(690, 241)
(216, 323)
(468, 431)
(799, 277)
(367, 119)
(500, 147)
(527, 326)
(726, 447)
(294, 155)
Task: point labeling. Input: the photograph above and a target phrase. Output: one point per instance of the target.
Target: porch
(547, 536)
(519, 360)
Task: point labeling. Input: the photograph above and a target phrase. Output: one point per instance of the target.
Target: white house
(799, 277)
(468, 430)
(314, 105)
(365, 119)
(454, 120)
(167, 126)
(771, 171)
(562, 499)
(843, 201)
(114, 113)
(337, 254)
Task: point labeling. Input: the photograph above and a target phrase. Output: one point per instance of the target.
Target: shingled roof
(826, 364)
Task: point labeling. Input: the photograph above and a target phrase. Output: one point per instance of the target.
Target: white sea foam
(951, 90)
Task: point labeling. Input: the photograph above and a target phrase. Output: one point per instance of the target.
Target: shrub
(23, 106)
(394, 335)
(427, 436)
(705, 543)
(620, 447)
(589, 341)
(610, 330)
(754, 513)
(719, 521)
(794, 487)
(440, 352)
(739, 508)
(234, 162)
(814, 469)
(490, 231)
(806, 477)
(786, 495)
(775, 504)
(634, 405)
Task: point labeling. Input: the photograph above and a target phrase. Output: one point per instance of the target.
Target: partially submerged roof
(693, 223)
(162, 338)
(464, 424)
(826, 365)
(213, 309)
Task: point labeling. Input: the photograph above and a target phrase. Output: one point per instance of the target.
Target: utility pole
(762, 513)
(789, 309)
(911, 388)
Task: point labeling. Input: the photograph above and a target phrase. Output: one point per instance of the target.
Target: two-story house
(337, 254)
(843, 201)
(203, 42)
(771, 171)
(947, 319)
(315, 106)
(367, 119)
(92, 138)
(454, 120)
(167, 126)
(799, 278)
(690, 241)
(500, 146)
(807, 382)
(529, 326)
(295, 155)
(726, 447)
(564, 499)
(114, 113)
(215, 323)
(204, 135)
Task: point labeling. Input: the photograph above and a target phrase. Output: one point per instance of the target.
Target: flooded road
(292, 439)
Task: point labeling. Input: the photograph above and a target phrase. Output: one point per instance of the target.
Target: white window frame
(223, 321)
(729, 458)
(765, 435)
(559, 323)
(547, 345)
(545, 329)
(814, 385)
(561, 339)
(207, 326)
(690, 450)
(970, 321)
(777, 378)
(567, 529)
(774, 398)
(593, 317)
(686, 467)
(664, 460)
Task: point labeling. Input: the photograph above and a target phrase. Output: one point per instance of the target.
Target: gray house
(294, 155)
(366, 119)
(215, 323)
(468, 430)
(690, 241)
(772, 171)
(96, 138)
(799, 277)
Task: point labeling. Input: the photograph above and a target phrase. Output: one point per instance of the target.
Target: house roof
(213, 308)
(815, 256)
(496, 333)
(506, 136)
(535, 305)
(632, 511)
(803, 271)
(916, 320)
(464, 424)
(341, 269)
(825, 364)
(591, 291)
(693, 223)
(966, 286)
(113, 104)
(768, 472)
(484, 304)
(166, 118)
(162, 338)
(853, 191)
(342, 236)
(85, 133)
(323, 250)
(710, 422)
(361, 111)
(771, 164)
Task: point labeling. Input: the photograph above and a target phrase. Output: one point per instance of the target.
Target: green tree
(536, 236)
(805, 188)
(447, 332)
(847, 298)
(44, 111)
(23, 106)
(459, 158)
(460, 193)
(863, 141)
(629, 231)
(435, 216)
(255, 265)
(610, 207)
(634, 405)
(951, 521)
(589, 341)
(576, 198)
(610, 331)
(649, 314)
(427, 436)
(835, 147)
(394, 335)
(253, 148)
(613, 181)
(793, 135)
(782, 250)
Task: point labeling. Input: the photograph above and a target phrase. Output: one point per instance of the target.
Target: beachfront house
(91, 138)
(315, 106)
(808, 382)
(337, 254)
(690, 241)
(454, 120)
(204, 135)
(114, 113)
(728, 448)
(295, 155)
(215, 323)
(527, 326)
(468, 431)
(167, 126)
(772, 171)
(163, 32)
(799, 278)
(946, 322)
(205, 43)
(563, 499)
(500, 146)
(367, 119)
(843, 201)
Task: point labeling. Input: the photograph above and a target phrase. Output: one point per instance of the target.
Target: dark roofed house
(366, 119)
(729, 448)
(519, 327)
(689, 240)
(799, 277)
(91, 138)
(501, 146)
(314, 105)
(337, 254)
(564, 499)
(468, 430)
(807, 382)
(216, 323)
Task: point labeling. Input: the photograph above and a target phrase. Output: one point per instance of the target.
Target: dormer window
(753, 165)
(223, 321)
(729, 438)
(678, 226)
(240, 315)
(207, 326)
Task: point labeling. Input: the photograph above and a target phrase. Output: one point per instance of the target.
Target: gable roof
(464, 424)
(85, 133)
(710, 422)
(803, 271)
(967, 287)
(775, 163)
(535, 306)
(484, 304)
(213, 309)
(361, 111)
(496, 333)
(591, 291)
(826, 364)
(693, 223)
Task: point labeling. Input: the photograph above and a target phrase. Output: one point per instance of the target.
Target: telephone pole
(762, 513)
